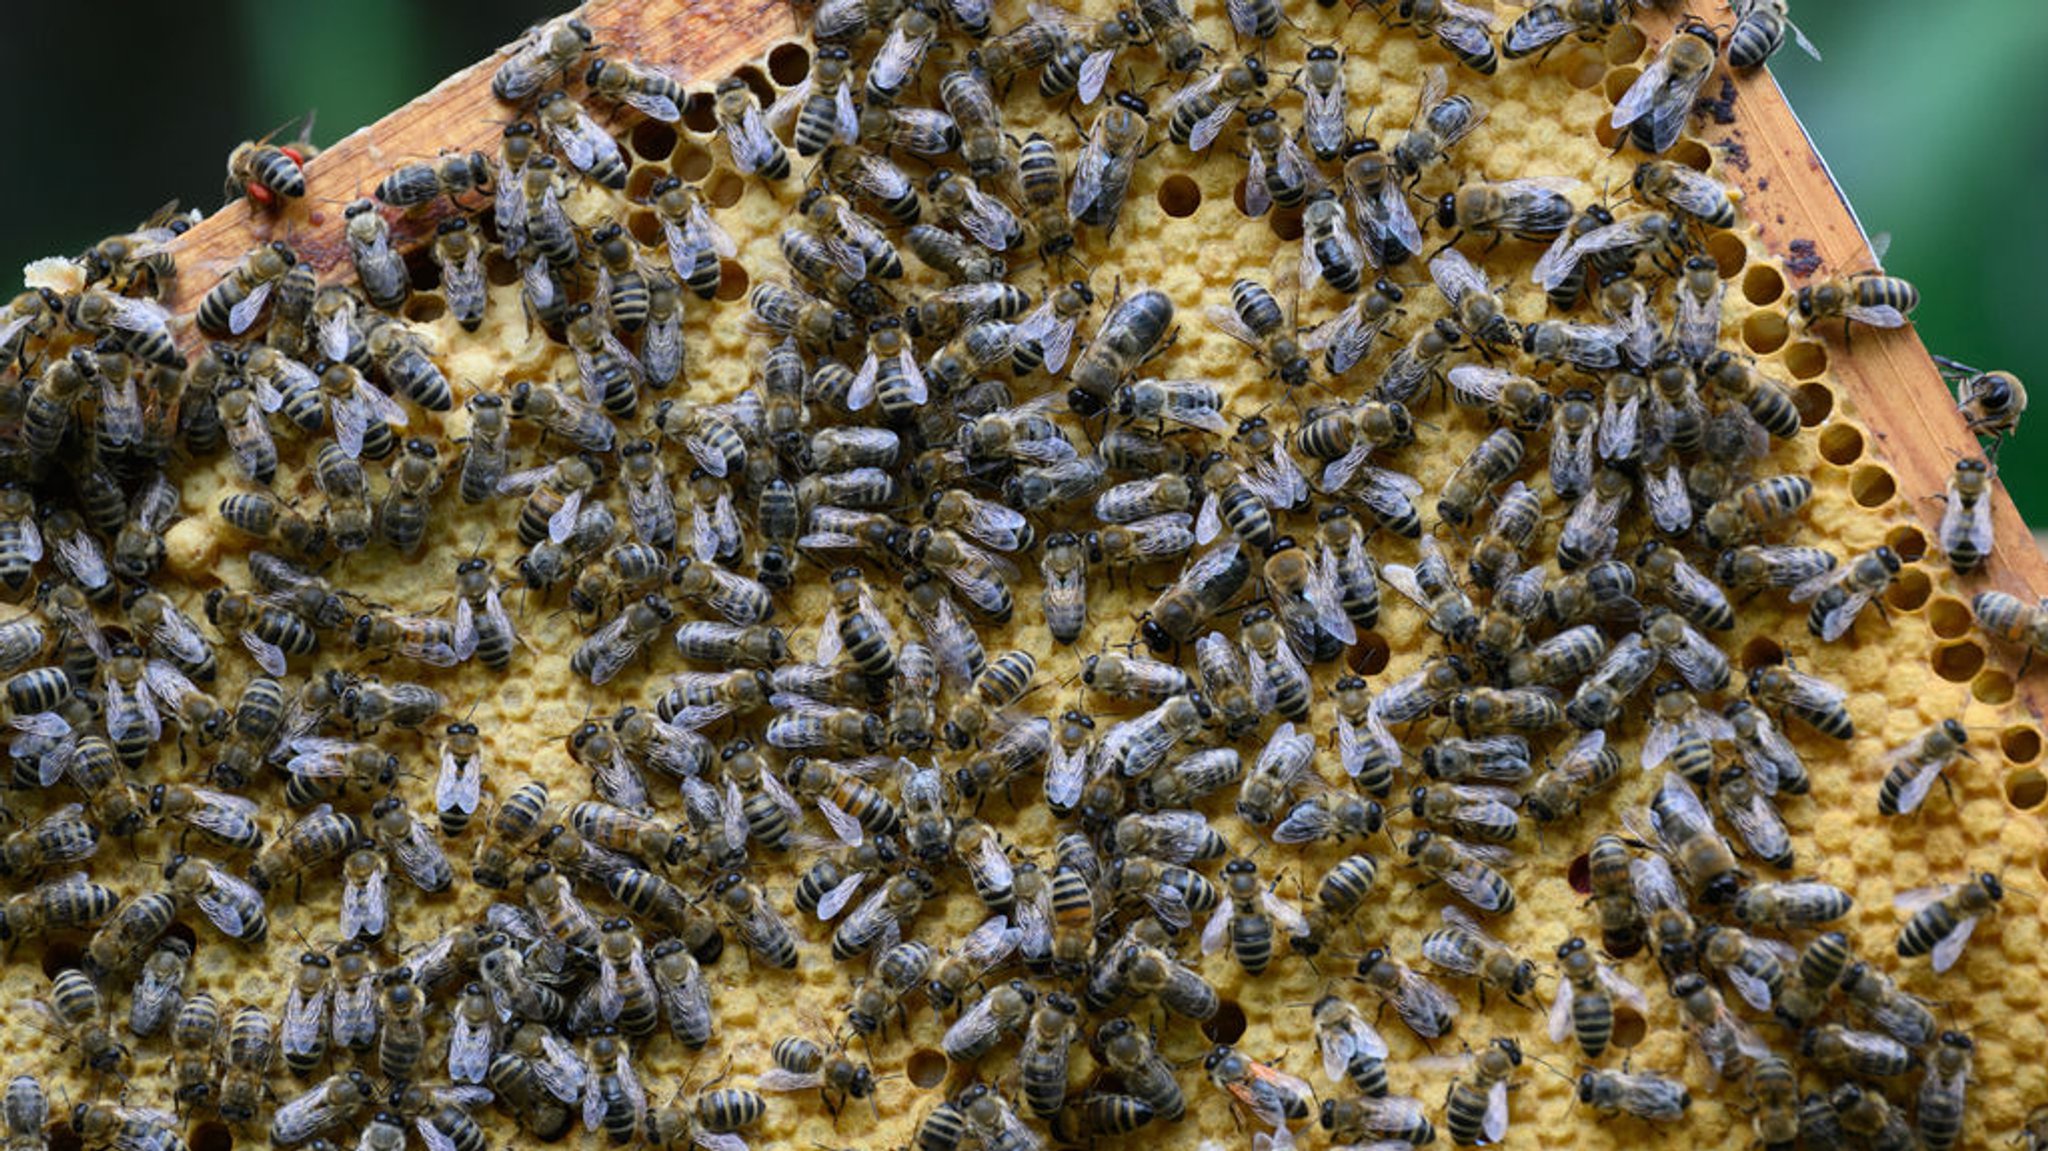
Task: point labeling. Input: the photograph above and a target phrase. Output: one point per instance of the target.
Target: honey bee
(544, 53)
(379, 267)
(1760, 27)
(232, 306)
(1991, 402)
(1871, 298)
(754, 148)
(1965, 535)
(1942, 917)
(73, 1003)
(1102, 175)
(1427, 1009)
(1470, 870)
(1839, 596)
(1656, 106)
(320, 836)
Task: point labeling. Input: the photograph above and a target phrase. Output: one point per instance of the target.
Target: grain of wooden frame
(1787, 192)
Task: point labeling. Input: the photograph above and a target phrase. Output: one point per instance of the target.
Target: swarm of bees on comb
(651, 664)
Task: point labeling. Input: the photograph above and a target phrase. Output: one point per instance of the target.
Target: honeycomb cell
(1805, 359)
(1179, 196)
(926, 1068)
(1872, 486)
(1285, 222)
(59, 954)
(211, 1135)
(690, 163)
(1761, 651)
(2020, 744)
(1370, 655)
(1908, 541)
(425, 274)
(1948, 617)
(1841, 444)
(1228, 1024)
(1762, 284)
(700, 112)
(425, 309)
(1617, 84)
(645, 228)
(1958, 662)
(1585, 72)
(1630, 1028)
(1729, 253)
(641, 180)
(1815, 401)
(2026, 789)
(732, 280)
(498, 271)
(653, 140)
(1692, 154)
(788, 64)
(1625, 44)
(1910, 591)
(1992, 686)
(726, 189)
(757, 80)
(1764, 332)
(1579, 874)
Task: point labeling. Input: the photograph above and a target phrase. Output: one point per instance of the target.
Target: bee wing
(1753, 991)
(1402, 578)
(243, 315)
(845, 120)
(1618, 424)
(1695, 192)
(1422, 1004)
(1088, 173)
(1561, 1011)
(1641, 97)
(844, 826)
(1094, 73)
(1216, 933)
(1537, 29)
(268, 656)
(1919, 786)
(1655, 884)
(784, 108)
(1456, 276)
(460, 784)
(1209, 127)
(1398, 217)
(227, 902)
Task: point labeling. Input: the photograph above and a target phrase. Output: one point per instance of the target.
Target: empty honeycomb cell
(1815, 401)
(58, 954)
(1630, 1028)
(1841, 444)
(1692, 154)
(1761, 651)
(700, 112)
(645, 228)
(1729, 253)
(1948, 617)
(690, 163)
(499, 271)
(2020, 744)
(1992, 686)
(1369, 656)
(641, 180)
(425, 309)
(788, 64)
(757, 80)
(726, 189)
(2026, 789)
(1617, 84)
(732, 280)
(1910, 591)
(653, 140)
(1586, 72)
(1625, 44)
(1805, 359)
(1285, 222)
(1762, 284)
(211, 1135)
(1228, 1024)
(926, 1068)
(1958, 662)
(1179, 196)
(1764, 332)
(424, 273)
(1872, 486)
(1604, 129)
(1908, 541)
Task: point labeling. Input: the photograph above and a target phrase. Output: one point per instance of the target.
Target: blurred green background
(1931, 116)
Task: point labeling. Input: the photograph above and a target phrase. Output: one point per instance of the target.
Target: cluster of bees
(904, 455)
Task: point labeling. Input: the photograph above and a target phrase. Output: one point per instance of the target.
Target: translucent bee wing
(243, 315)
(1641, 96)
(1093, 74)
(844, 826)
(654, 105)
(1216, 933)
(1561, 1011)
(845, 120)
(1495, 1122)
(1206, 129)
(1876, 315)
(1753, 991)
(269, 656)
